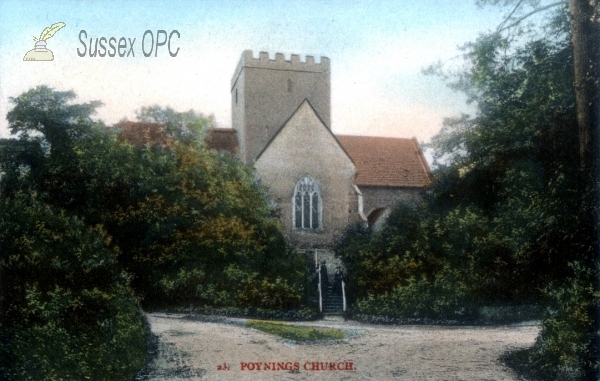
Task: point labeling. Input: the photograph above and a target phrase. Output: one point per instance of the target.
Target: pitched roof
(140, 134)
(222, 139)
(380, 161)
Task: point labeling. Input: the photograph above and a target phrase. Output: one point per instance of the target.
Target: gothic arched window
(307, 204)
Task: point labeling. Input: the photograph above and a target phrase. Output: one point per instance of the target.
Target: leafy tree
(510, 217)
(515, 158)
(183, 126)
(67, 312)
(202, 232)
(187, 225)
(556, 239)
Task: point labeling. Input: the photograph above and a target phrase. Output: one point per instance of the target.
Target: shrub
(66, 309)
(567, 348)
(444, 297)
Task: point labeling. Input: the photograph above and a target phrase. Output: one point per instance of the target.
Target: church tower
(265, 93)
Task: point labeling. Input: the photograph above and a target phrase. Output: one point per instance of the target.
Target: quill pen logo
(41, 53)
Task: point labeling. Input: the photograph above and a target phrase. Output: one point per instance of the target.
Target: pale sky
(377, 51)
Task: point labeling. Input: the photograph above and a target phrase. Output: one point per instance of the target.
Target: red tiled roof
(141, 133)
(380, 161)
(222, 139)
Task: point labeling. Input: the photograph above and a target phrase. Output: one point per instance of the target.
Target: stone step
(333, 302)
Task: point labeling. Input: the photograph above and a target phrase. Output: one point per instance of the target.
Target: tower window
(289, 85)
(307, 206)
(235, 96)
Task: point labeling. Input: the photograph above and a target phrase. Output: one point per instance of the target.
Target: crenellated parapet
(280, 63)
(266, 91)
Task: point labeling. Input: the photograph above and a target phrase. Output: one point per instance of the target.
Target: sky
(377, 51)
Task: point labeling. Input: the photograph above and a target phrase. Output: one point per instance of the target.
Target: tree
(508, 219)
(566, 205)
(88, 220)
(585, 34)
(182, 126)
(188, 224)
(67, 311)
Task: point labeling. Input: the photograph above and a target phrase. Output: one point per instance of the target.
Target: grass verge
(294, 332)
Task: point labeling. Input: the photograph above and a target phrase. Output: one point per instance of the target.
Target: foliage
(203, 233)
(378, 263)
(66, 309)
(442, 298)
(188, 126)
(565, 348)
(417, 266)
(296, 333)
(187, 225)
(526, 133)
(301, 314)
(509, 218)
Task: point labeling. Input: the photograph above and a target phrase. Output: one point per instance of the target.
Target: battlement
(279, 63)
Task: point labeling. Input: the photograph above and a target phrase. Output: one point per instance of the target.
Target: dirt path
(196, 350)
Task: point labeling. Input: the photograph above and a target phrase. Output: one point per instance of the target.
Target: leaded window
(307, 204)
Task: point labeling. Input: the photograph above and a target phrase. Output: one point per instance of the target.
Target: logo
(41, 53)
(123, 47)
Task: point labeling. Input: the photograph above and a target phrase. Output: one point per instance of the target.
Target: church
(320, 182)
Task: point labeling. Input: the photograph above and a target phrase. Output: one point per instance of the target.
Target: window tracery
(307, 204)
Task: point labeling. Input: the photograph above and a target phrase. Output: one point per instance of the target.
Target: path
(194, 350)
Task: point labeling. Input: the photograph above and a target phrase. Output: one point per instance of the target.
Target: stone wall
(305, 146)
(377, 197)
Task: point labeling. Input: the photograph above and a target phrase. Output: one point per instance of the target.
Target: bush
(176, 223)
(442, 298)
(567, 348)
(301, 314)
(114, 348)
(188, 224)
(66, 309)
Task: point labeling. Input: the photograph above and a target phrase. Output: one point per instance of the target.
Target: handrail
(320, 291)
(343, 296)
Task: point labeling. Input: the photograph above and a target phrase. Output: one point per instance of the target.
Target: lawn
(295, 332)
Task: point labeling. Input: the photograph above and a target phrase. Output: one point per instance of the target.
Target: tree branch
(510, 15)
(527, 15)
